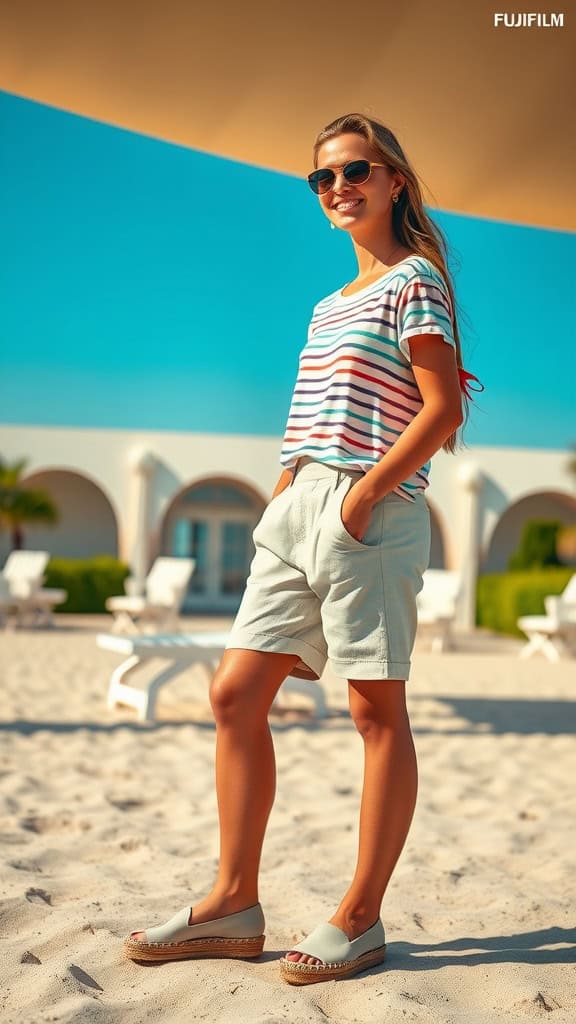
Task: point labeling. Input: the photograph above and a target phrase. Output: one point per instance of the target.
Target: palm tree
(20, 504)
(571, 464)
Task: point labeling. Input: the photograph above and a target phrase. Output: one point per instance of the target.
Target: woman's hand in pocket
(355, 513)
(284, 482)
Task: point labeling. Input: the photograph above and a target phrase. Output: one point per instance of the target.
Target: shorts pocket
(373, 533)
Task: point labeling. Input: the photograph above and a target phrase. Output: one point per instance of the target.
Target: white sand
(107, 825)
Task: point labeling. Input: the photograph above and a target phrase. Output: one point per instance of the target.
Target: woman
(340, 552)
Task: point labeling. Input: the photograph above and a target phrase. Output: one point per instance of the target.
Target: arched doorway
(87, 523)
(212, 521)
(506, 534)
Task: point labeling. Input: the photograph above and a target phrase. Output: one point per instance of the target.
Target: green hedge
(503, 597)
(89, 581)
(537, 548)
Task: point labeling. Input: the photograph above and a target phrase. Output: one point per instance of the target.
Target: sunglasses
(356, 172)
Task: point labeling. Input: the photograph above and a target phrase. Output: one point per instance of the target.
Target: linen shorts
(316, 591)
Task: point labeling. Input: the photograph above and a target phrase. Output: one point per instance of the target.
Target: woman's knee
(246, 683)
(229, 698)
(378, 705)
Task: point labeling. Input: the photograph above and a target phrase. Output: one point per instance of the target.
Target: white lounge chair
(437, 604)
(180, 651)
(555, 632)
(24, 571)
(158, 607)
(21, 590)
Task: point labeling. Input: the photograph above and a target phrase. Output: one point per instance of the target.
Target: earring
(332, 226)
(395, 198)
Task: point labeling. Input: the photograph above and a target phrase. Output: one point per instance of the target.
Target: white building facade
(136, 494)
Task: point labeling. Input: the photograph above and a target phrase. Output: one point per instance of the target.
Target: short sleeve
(424, 307)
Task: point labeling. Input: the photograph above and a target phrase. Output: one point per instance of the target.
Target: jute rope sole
(194, 949)
(298, 973)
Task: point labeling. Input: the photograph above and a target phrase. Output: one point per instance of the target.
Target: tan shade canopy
(485, 115)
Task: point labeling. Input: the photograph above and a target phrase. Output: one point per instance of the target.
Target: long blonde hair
(410, 223)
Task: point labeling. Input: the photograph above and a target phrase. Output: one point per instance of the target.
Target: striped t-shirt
(355, 391)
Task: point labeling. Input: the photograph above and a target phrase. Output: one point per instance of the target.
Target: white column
(142, 464)
(470, 479)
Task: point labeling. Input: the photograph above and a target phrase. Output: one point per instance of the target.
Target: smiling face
(372, 201)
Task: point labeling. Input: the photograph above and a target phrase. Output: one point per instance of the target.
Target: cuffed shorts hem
(312, 661)
(371, 669)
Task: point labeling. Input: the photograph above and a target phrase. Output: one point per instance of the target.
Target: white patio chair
(555, 632)
(437, 604)
(159, 606)
(24, 571)
(21, 590)
(179, 652)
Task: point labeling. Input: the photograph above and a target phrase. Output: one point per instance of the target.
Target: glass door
(236, 554)
(223, 549)
(191, 539)
(213, 523)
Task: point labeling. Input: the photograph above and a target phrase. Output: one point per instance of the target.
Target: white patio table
(180, 650)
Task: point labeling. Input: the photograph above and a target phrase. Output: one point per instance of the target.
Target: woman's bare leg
(378, 708)
(241, 694)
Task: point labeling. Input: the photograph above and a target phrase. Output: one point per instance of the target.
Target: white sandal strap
(245, 924)
(331, 945)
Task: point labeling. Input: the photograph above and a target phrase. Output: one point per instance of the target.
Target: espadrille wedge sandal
(341, 957)
(236, 935)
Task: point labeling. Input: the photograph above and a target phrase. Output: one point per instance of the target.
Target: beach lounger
(24, 571)
(437, 604)
(554, 634)
(157, 609)
(21, 590)
(180, 651)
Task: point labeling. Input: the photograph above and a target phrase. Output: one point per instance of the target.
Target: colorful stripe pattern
(355, 391)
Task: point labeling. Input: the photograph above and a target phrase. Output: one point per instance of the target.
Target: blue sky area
(146, 285)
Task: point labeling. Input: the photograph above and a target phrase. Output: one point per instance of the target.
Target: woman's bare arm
(283, 482)
(436, 373)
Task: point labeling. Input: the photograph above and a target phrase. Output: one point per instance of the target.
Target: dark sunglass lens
(357, 171)
(321, 181)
